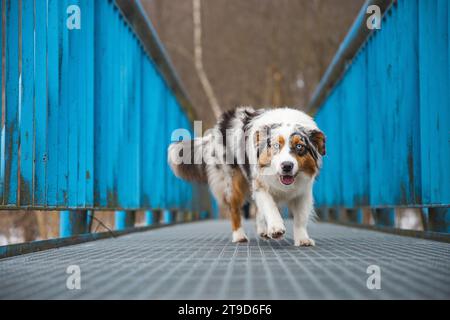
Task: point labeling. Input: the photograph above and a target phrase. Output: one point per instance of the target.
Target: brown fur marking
(305, 161)
(238, 195)
(280, 140)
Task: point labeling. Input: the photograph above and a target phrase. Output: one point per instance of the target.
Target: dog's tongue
(287, 180)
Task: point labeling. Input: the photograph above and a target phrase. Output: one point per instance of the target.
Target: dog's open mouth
(287, 180)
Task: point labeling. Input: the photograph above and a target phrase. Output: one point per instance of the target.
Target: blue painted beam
(1, 111)
(168, 217)
(41, 103)
(124, 220)
(215, 208)
(73, 223)
(149, 218)
(10, 132)
(355, 215)
(27, 104)
(204, 215)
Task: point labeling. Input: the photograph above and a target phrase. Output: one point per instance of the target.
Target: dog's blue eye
(276, 145)
(299, 147)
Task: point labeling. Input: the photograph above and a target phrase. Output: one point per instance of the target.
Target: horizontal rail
(384, 106)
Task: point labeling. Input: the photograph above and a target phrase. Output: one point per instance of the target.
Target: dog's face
(288, 151)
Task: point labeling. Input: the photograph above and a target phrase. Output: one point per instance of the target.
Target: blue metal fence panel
(27, 104)
(89, 144)
(434, 100)
(64, 121)
(172, 114)
(354, 137)
(40, 111)
(88, 115)
(153, 133)
(328, 183)
(10, 136)
(387, 119)
(2, 149)
(54, 98)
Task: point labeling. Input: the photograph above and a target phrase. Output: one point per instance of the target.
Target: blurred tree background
(255, 52)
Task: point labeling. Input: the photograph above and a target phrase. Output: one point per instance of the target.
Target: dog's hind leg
(236, 201)
(229, 188)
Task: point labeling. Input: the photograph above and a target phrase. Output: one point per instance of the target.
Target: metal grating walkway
(197, 261)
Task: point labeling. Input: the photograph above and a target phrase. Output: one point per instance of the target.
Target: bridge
(87, 115)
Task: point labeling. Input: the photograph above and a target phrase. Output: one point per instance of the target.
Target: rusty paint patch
(96, 198)
(361, 200)
(145, 201)
(112, 199)
(8, 159)
(25, 193)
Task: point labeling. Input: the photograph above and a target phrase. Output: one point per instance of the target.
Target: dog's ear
(318, 138)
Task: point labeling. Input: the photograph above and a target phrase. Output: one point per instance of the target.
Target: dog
(273, 155)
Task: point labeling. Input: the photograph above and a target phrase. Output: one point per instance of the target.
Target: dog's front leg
(268, 208)
(301, 209)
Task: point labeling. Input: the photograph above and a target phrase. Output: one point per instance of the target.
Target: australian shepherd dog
(268, 156)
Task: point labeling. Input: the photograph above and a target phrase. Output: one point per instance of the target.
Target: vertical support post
(355, 215)
(167, 217)
(124, 220)
(72, 223)
(439, 219)
(215, 208)
(188, 216)
(204, 215)
(334, 214)
(157, 215)
(323, 214)
(149, 218)
(424, 214)
(89, 219)
(384, 217)
(319, 214)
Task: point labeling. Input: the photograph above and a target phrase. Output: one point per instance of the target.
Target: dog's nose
(287, 166)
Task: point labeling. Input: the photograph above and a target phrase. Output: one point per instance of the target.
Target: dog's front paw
(263, 235)
(239, 236)
(261, 230)
(305, 243)
(276, 231)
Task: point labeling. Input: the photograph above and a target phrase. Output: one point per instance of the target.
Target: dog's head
(288, 150)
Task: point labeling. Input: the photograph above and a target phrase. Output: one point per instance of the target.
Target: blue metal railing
(88, 113)
(387, 117)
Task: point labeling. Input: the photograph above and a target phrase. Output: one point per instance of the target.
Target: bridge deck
(197, 261)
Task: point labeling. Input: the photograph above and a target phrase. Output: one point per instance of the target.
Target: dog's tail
(186, 159)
